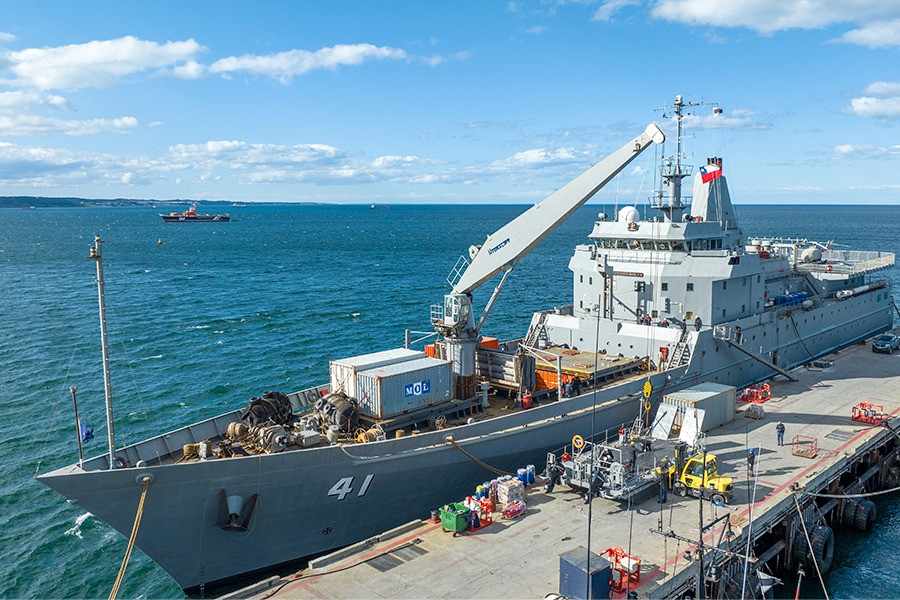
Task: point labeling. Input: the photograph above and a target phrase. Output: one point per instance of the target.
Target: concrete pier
(519, 558)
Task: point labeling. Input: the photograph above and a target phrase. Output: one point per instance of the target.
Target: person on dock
(567, 389)
(576, 385)
(556, 473)
(663, 488)
(634, 454)
(779, 429)
(751, 459)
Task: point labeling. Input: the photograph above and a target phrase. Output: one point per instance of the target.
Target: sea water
(203, 316)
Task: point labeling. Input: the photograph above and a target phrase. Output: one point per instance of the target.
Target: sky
(453, 102)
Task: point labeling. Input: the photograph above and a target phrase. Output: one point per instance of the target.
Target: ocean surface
(204, 316)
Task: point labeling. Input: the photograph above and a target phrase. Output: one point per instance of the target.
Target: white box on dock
(714, 398)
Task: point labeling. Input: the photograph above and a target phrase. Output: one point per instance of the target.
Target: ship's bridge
(663, 236)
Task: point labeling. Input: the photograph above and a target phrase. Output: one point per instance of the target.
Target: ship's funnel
(712, 202)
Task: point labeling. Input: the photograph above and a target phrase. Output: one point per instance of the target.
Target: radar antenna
(671, 169)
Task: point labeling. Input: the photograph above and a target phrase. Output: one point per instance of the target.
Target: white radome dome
(629, 214)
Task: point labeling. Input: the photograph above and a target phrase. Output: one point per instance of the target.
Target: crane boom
(507, 245)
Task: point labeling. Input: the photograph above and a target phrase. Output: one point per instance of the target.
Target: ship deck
(520, 557)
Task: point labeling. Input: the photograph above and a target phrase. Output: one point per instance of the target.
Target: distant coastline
(50, 202)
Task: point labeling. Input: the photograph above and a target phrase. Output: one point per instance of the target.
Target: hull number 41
(344, 486)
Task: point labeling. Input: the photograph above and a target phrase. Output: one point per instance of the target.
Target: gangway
(721, 332)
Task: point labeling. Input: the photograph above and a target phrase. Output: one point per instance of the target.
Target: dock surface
(519, 558)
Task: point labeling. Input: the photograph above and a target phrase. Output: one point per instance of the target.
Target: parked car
(886, 343)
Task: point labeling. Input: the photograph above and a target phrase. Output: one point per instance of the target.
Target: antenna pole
(97, 256)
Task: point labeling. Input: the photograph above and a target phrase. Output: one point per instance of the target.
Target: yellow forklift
(697, 473)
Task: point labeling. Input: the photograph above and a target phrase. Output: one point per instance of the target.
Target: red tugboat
(190, 215)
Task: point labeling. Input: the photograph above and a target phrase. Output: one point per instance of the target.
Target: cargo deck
(520, 557)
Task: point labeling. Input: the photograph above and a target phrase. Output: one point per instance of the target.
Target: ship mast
(97, 256)
(671, 169)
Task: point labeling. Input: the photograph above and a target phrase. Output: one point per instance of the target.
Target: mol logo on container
(419, 388)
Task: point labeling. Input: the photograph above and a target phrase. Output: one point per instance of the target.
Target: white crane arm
(507, 245)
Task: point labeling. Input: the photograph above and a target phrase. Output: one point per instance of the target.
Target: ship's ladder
(682, 353)
(536, 332)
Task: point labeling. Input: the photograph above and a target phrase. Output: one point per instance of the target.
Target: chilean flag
(710, 172)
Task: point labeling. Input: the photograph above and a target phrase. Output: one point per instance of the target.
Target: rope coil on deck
(137, 523)
(450, 439)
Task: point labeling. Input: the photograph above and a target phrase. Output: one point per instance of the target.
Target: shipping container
(391, 390)
(714, 398)
(489, 342)
(344, 371)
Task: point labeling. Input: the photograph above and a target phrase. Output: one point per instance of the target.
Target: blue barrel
(522, 474)
(529, 470)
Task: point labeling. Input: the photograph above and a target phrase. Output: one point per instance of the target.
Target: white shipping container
(714, 398)
(394, 389)
(343, 371)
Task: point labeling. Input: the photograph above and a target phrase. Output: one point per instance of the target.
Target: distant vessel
(191, 216)
(659, 303)
(27, 208)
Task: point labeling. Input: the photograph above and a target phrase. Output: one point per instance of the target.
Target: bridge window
(665, 286)
(663, 246)
(690, 287)
(646, 245)
(678, 246)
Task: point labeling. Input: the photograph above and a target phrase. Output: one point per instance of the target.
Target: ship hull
(303, 507)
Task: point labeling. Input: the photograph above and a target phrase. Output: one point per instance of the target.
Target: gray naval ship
(673, 299)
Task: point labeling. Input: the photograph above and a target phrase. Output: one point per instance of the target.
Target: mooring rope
(137, 523)
(450, 439)
(860, 495)
(810, 547)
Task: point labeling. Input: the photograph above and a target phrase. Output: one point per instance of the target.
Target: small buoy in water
(159, 241)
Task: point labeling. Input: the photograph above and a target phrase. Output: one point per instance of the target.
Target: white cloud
(439, 59)
(850, 151)
(389, 162)
(767, 16)
(536, 30)
(638, 170)
(879, 34)
(95, 63)
(606, 10)
(188, 70)
(883, 88)
(128, 178)
(25, 124)
(236, 154)
(536, 158)
(879, 108)
(882, 102)
(284, 66)
(21, 98)
(739, 118)
(7, 37)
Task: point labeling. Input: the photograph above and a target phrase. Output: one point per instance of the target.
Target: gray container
(716, 399)
(392, 390)
(575, 573)
(343, 371)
